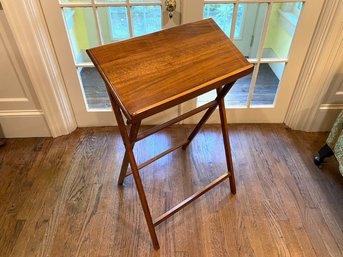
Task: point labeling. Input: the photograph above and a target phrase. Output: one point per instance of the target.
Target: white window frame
(95, 5)
(259, 59)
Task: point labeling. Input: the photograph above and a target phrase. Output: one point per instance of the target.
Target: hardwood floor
(59, 197)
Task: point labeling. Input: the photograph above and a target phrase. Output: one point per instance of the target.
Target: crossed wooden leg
(225, 132)
(132, 137)
(133, 164)
(221, 93)
(129, 157)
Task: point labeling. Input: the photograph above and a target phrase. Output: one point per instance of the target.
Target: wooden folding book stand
(149, 74)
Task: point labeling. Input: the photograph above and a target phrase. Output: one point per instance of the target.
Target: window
(222, 14)
(263, 32)
(145, 19)
(298, 7)
(292, 8)
(289, 15)
(119, 23)
(91, 23)
(239, 22)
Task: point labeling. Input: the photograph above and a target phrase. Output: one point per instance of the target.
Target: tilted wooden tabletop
(151, 73)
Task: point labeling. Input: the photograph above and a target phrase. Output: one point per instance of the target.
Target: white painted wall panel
(20, 111)
(10, 84)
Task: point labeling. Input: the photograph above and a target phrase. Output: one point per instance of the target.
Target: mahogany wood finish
(225, 132)
(129, 146)
(133, 135)
(149, 74)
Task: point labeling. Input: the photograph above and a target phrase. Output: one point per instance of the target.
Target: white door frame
(29, 29)
(307, 110)
(28, 26)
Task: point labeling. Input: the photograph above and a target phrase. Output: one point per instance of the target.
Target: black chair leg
(323, 153)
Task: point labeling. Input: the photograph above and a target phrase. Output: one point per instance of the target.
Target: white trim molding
(322, 60)
(23, 123)
(21, 113)
(14, 99)
(331, 106)
(30, 32)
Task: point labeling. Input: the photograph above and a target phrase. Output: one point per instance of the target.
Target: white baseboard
(23, 123)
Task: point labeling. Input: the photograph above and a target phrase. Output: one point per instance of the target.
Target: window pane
(145, 1)
(207, 97)
(267, 83)
(238, 94)
(75, 1)
(282, 24)
(94, 89)
(250, 25)
(146, 19)
(239, 21)
(299, 6)
(80, 22)
(222, 14)
(114, 23)
(110, 1)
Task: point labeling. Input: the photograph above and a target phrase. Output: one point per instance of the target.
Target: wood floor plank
(59, 197)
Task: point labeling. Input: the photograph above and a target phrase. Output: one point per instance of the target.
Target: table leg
(133, 164)
(225, 132)
(208, 113)
(132, 137)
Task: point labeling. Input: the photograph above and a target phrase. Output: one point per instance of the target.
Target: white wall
(20, 111)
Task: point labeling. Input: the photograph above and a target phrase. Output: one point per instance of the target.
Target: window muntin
(90, 23)
(268, 49)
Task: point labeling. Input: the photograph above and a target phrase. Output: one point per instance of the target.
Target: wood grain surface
(150, 73)
(58, 197)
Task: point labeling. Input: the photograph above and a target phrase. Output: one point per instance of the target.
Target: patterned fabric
(335, 140)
